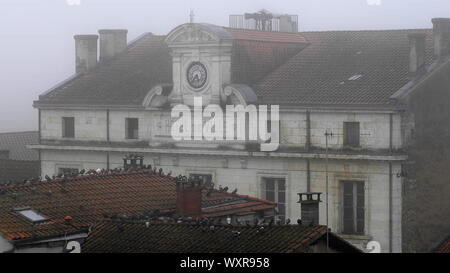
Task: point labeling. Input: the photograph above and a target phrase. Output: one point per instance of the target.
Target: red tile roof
(89, 198)
(444, 247)
(158, 237)
(266, 36)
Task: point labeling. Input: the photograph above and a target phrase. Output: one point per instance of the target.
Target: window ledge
(355, 237)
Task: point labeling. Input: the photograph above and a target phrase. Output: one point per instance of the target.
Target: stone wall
(426, 219)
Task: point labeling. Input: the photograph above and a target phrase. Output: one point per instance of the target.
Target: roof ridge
(80, 178)
(366, 30)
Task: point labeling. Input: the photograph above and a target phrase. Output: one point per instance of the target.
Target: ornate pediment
(196, 33)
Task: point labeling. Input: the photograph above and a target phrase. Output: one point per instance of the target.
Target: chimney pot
(416, 51)
(112, 42)
(85, 52)
(441, 36)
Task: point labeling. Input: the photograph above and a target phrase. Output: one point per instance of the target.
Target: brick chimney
(441, 36)
(189, 197)
(85, 52)
(416, 51)
(112, 42)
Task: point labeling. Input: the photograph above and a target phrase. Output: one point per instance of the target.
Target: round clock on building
(197, 75)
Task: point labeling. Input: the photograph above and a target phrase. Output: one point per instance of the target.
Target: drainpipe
(391, 126)
(308, 175)
(308, 130)
(39, 141)
(390, 207)
(107, 139)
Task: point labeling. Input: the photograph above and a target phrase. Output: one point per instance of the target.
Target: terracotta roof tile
(159, 237)
(89, 198)
(444, 247)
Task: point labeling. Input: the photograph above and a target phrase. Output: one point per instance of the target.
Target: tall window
(275, 190)
(132, 128)
(205, 178)
(351, 134)
(353, 207)
(68, 127)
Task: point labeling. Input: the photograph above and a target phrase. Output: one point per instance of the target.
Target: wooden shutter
(351, 134)
(68, 127)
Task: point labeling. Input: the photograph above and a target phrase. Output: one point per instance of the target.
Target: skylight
(355, 77)
(32, 215)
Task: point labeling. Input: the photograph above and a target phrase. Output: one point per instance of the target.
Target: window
(353, 207)
(351, 134)
(68, 124)
(275, 191)
(32, 215)
(205, 178)
(67, 170)
(132, 128)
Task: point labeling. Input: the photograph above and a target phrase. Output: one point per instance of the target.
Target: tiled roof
(89, 198)
(16, 143)
(322, 73)
(137, 237)
(267, 36)
(124, 80)
(317, 68)
(444, 247)
(15, 170)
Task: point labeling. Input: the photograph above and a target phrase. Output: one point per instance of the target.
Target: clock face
(197, 75)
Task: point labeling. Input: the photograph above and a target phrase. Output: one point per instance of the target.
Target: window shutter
(351, 134)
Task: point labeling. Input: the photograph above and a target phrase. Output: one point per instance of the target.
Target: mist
(37, 45)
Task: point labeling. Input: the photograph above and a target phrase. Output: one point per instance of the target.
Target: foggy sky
(37, 45)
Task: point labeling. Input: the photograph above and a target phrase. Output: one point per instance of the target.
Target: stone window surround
(338, 218)
(283, 175)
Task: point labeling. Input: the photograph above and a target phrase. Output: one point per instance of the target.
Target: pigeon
(288, 221)
(299, 221)
(235, 191)
(48, 178)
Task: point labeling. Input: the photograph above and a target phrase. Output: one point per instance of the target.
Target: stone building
(340, 114)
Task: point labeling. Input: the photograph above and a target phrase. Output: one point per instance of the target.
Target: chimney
(112, 42)
(416, 51)
(310, 207)
(441, 36)
(131, 161)
(85, 52)
(189, 197)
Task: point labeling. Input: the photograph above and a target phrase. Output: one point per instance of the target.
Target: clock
(197, 75)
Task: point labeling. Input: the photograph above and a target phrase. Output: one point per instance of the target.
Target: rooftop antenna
(191, 16)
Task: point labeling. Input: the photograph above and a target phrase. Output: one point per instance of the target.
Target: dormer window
(31, 215)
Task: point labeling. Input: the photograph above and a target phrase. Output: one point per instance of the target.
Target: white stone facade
(98, 144)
